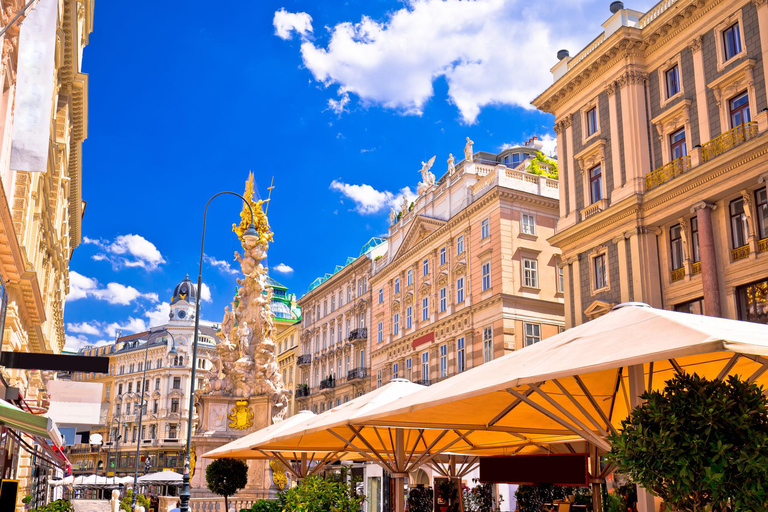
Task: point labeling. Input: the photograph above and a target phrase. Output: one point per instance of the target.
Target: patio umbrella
(585, 381)
(398, 450)
(160, 478)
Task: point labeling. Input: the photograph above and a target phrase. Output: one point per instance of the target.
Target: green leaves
(322, 495)
(226, 476)
(699, 444)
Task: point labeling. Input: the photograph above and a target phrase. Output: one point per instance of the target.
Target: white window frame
(397, 285)
(485, 228)
(528, 224)
(459, 290)
(461, 353)
(381, 295)
(409, 368)
(395, 370)
(460, 245)
(378, 379)
(487, 344)
(486, 276)
(409, 277)
(531, 273)
(532, 333)
(425, 366)
(396, 324)
(443, 360)
(425, 309)
(443, 256)
(425, 267)
(443, 299)
(380, 332)
(719, 31)
(408, 317)
(560, 279)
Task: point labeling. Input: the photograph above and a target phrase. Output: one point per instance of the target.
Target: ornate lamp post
(249, 234)
(141, 416)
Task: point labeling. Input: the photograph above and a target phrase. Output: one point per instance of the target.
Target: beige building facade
(661, 125)
(287, 342)
(468, 275)
(40, 186)
(334, 351)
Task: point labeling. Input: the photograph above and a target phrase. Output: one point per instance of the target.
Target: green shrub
(56, 506)
(699, 444)
(531, 498)
(125, 501)
(317, 494)
(265, 506)
(420, 499)
(480, 498)
(225, 477)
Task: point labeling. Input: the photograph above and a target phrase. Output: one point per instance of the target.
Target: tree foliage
(317, 494)
(480, 498)
(225, 477)
(125, 501)
(56, 506)
(531, 498)
(420, 499)
(548, 169)
(699, 445)
(265, 506)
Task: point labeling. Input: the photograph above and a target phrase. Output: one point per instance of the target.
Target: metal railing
(762, 245)
(423, 382)
(696, 268)
(667, 172)
(740, 253)
(302, 391)
(357, 373)
(677, 274)
(304, 359)
(358, 334)
(728, 140)
(328, 383)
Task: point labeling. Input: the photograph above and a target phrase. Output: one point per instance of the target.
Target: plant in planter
(225, 477)
(420, 499)
(448, 492)
(56, 506)
(531, 498)
(699, 444)
(480, 498)
(317, 494)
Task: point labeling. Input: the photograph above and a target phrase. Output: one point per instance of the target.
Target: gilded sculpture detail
(241, 416)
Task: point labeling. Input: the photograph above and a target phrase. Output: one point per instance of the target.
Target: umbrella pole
(636, 388)
(400, 466)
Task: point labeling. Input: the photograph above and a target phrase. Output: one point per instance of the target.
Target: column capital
(763, 178)
(702, 205)
(759, 3)
(620, 238)
(610, 88)
(695, 44)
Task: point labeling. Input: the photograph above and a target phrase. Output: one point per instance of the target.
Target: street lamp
(141, 416)
(250, 235)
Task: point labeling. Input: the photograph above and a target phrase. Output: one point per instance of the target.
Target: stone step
(91, 505)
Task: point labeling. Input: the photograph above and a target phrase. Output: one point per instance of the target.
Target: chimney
(563, 53)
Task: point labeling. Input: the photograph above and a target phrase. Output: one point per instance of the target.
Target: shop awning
(35, 425)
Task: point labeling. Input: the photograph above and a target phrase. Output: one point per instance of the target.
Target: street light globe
(250, 235)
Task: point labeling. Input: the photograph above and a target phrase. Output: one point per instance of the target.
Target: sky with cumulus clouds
(339, 102)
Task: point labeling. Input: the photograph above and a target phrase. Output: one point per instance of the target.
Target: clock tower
(182, 317)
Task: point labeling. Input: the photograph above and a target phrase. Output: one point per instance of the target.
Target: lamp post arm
(184, 495)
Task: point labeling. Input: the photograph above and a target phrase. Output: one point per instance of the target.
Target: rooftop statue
(468, 151)
(451, 166)
(427, 178)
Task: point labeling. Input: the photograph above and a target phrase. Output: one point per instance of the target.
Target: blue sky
(338, 101)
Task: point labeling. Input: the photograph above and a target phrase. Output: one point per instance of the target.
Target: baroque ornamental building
(468, 274)
(661, 128)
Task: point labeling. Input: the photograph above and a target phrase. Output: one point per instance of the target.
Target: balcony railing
(423, 382)
(358, 334)
(762, 245)
(740, 253)
(304, 359)
(677, 274)
(696, 268)
(302, 391)
(328, 383)
(667, 172)
(728, 140)
(357, 373)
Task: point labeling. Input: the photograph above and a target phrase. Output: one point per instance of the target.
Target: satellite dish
(95, 439)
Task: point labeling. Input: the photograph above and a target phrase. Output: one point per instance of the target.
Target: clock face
(182, 314)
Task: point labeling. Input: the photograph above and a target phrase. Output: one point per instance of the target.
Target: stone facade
(287, 342)
(682, 226)
(468, 275)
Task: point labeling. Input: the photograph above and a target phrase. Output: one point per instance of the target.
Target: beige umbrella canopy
(583, 382)
(251, 447)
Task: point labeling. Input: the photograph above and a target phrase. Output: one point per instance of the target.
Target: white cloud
(205, 293)
(368, 200)
(128, 251)
(158, 315)
(83, 328)
(490, 52)
(222, 266)
(282, 268)
(74, 343)
(287, 22)
(339, 106)
(81, 287)
(132, 326)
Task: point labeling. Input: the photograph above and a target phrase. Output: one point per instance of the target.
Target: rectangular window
(460, 356)
(425, 309)
(753, 302)
(487, 344)
(397, 285)
(591, 121)
(408, 317)
(443, 299)
(155, 406)
(119, 389)
(560, 279)
(442, 256)
(425, 267)
(381, 295)
(695, 239)
(529, 224)
(378, 378)
(761, 204)
(530, 273)
(676, 246)
(130, 387)
(598, 264)
(460, 244)
(408, 368)
(739, 231)
(395, 370)
(157, 384)
(486, 282)
(672, 78)
(107, 390)
(732, 41)
(485, 229)
(380, 332)
(532, 334)
(333, 304)
(174, 405)
(409, 277)
(595, 184)
(677, 147)
(443, 361)
(425, 367)
(739, 108)
(396, 324)
(460, 290)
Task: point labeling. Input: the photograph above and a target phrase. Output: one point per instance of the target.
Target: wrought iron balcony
(328, 383)
(762, 245)
(357, 373)
(696, 268)
(304, 359)
(302, 391)
(740, 253)
(677, 274)
(423, 382)
(358, 334)
(667, 172)
(728, 140)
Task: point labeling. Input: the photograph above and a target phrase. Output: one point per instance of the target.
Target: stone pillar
(621, 247)
(615, 151)
(577, 309)
(559, 127)
(637, 159)
(700, 83)
(709, 273)
(570, 167)
(568, 294)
